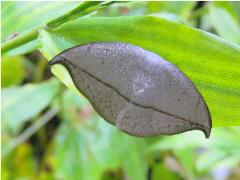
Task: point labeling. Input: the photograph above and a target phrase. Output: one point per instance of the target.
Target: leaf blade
(19, 104)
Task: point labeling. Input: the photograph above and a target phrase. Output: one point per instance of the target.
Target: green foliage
(85, 139)
(225, 11)
(18, 13)
(75, 143)
(19, 104)
(9, 65)
(12, 169)
(220, 150)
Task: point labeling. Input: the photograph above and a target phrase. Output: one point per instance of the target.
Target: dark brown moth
(136, 90)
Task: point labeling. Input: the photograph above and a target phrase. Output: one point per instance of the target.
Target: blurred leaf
(224, 21)
(20, 164)
(236, 7)
(205, 24)
(113, 175)
(207, 160)
(4, 172)
(187, 158)
(222, 149)
(26, 15)
(19, 104)
(12, 70)
(229, 7)
(24, 49)
(173, 11)
(83, 9)
(178, 8)
(221, 138)
(160, 171)
(168, 16)
(201, 56)
(178, 142)
(92, 146)
(46, 168)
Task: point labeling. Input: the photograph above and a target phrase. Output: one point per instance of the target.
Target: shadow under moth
(136, 90)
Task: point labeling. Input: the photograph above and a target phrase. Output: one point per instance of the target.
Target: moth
(136, 90)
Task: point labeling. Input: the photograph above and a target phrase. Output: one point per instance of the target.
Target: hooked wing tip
(55, 60)
(52, 62)
(206, 131)
(208, 126)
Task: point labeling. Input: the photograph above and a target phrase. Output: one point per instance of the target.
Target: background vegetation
(50, 131)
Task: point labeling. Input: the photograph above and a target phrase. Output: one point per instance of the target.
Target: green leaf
(93, 146)
(200, 55)
(12, 70)
(19, 104)
(178, 142)
(224, 20)
(27, 15)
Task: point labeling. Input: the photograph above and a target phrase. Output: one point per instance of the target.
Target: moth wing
(138, 91)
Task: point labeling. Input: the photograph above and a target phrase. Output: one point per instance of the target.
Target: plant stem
(74, 13)
(31, 130)
(19, 40)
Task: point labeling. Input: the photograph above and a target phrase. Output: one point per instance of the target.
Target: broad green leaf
(224, 21)
(12, 70)
(200, 55)
(92, 146)
(18, 17)
(19, 104)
